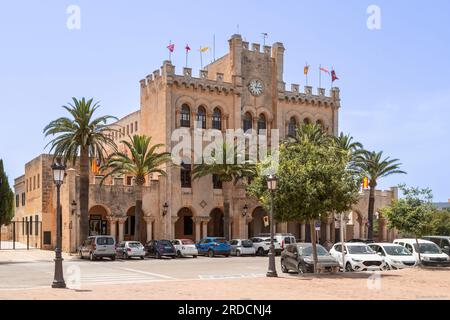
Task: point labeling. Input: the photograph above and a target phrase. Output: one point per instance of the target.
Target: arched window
(201, 117)
(247, 122)
(292, 126)
(185, 120)
(217, 119)
(306, 121)
(320, 123)
(185, 175)
(261, 124)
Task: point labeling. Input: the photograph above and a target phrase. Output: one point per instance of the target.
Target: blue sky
(394, 82)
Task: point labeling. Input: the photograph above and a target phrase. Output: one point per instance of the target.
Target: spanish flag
(204, 49)
(95, 166)
(365, 183)
(306, 70)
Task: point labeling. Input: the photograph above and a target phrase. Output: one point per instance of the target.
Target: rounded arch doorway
(216, 223)
(256, 226)
(98, 225)
(184, 227)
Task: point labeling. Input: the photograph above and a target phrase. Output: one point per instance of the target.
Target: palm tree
(77, 138)
(310, 133)
(228, 172)
(143, 160)
(374, 167)
(352, 150)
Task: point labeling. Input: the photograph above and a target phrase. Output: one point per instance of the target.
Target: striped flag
(324, 70)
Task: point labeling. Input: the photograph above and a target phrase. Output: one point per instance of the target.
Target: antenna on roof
(265, 35)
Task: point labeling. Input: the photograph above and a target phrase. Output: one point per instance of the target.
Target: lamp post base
(59, 284)
(271, 274)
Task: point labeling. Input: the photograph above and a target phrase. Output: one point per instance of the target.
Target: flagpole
(320, 76)
(201, 59)
(170, 52)
(186, 57)
(306, 73)
(214, 47)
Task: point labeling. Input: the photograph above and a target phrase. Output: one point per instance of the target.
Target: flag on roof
(171, 47)
(204, 49)
(324, 70)
(188, 48)
(334, 76)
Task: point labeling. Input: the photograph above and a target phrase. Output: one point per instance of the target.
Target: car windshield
(165, 243)
(307, 251)
(187, 241)
(360, 250)
(397, 251)
(134, 244)
(105, 241)
(428, 248)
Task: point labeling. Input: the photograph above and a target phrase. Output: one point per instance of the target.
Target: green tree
(374, 168)
(412, 214)
(6, 198)
(77, 138)
(440, 224)
(143, 160)
(313, 180)
(228, 172)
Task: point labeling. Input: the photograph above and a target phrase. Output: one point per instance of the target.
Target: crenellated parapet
(308, 96)
(204, 82)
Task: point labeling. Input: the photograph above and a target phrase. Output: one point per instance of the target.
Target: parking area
(28, 275)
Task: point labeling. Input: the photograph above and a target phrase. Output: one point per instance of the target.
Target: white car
(130, 249)
(358, 257)
(241, 247)
(395, 256)
(430, 253)
(185, 248)
(262, 245)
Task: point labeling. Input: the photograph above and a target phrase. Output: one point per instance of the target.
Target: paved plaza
(28, 275)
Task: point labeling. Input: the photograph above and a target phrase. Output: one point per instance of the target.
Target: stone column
(383, 232)
(328, 232)
(205, 227)
(112, 225)
(121, 227)
(302, 232)
(198, 224)
(248, 220)
(149, 223)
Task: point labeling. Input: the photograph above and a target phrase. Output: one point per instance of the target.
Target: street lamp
(165, 207)
(245, 210)
(343, 223)
(59, 170)
(271, 186)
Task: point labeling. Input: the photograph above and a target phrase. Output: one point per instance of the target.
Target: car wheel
(125, 256)
(91, 256)
(174, 257)
(301, 268)
(283, 267)
(194, 257)
(210, 253)
(158, 255)
(113, 258)
(81, 254)
(226, 255)
(348, 267)
(260, 251)
(142, 257)
(179, 254)
(238, 253)
(387, 267)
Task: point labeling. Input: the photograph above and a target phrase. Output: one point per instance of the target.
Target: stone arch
(306, 116)
(184, 226)
(295, 114)
(216, 223)
(256, 226)
(251, 110)
(129, 225)
(266, 112)
(184, 100)
(98, 224)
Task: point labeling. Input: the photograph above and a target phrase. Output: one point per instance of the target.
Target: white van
(282, 238)
(430, 253)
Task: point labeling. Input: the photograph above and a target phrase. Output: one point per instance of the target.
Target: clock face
(256, 87)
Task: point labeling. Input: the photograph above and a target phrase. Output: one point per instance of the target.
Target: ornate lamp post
(59, 171)
(271, 186)
(343, 223)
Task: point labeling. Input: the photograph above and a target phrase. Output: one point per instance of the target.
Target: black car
(160, 248)
(299, 257)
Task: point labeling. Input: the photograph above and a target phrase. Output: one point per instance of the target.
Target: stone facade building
(243, 89)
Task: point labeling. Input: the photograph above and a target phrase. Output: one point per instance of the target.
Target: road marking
(230, 276)
(149, 273)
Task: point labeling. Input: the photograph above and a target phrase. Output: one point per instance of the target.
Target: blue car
(211, 246)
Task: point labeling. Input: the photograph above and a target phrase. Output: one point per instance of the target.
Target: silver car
(240, 247)
(130, 249)
(98, 247)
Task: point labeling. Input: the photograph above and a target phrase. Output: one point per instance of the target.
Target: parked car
(299, 257)
(282, 238)
(211, 246)
(395, 256)
(442, 241)
(367, 241)
(160, 248)
(96, 247)
(262, 245)
(430, 253)
(358, 257)
(130, 249)
(185, 248)
(241, 247)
